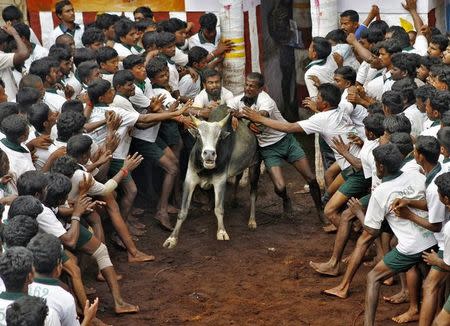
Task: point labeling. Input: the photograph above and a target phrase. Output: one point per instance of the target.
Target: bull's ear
(224, 134)
(193, 132)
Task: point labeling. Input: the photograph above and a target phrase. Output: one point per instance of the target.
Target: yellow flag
(407, 26)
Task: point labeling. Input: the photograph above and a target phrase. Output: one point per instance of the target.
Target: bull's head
(209, 133)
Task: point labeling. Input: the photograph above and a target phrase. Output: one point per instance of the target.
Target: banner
(106, 6)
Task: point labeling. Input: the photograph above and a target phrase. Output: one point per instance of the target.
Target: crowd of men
(98, 112)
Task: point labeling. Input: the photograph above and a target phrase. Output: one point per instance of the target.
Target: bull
(218, 154)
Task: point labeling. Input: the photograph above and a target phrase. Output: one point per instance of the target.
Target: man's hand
(156, 103)
(355, 139)
(112, 141)
(398, 203)
(90, 310)
(9, 29)
(58, 153)
(310, 104)
(354, 205)
(315, 80)
(113, 121)
(431, 258)
(186, 106)
(194, 74)
(6, 179)
(81, 205)
(403, 212)
(85, 184)
(174, 105)
(42, 141)
(339, 59)
(68, 91)
(224, 46)
(96, 204)
(374, 11)
(188, 123)
(252, 115)
(212, 105)
(104, 157)
(254, 128)
(341, 147)
(425, 30)
(132, 162)
(351, 38)
(410, 5)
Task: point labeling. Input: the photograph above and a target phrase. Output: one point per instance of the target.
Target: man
(66, 14)
(349, 21)
(208, 37)
(274, 146)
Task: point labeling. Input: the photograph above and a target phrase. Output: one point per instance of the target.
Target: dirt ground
(259, 277)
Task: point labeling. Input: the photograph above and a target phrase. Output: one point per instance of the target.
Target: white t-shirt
(124, 51)
(416, 118)
(19, 161)
(188, 87)
(330, 124)
(196, 40)
(367, 159)
(432, 131)
(79, 30)
(77, 86)
(61, 301)
(264, 102)
(202, 99)
(346, 52)
(141, 98)
(6, 65)
(180, 58)
(39, 52)
(446, 232)
(357, 113)
(322, 69)
(49, 223)
(412, 239)
(54, 101)
(174, 76)
(96, 189)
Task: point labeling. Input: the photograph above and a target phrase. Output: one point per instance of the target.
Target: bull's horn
(195, 120)
(223, 122)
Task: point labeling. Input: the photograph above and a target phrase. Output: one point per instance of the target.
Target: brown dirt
(241, 282)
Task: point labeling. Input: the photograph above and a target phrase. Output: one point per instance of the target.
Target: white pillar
(323, 16)
(232, 28)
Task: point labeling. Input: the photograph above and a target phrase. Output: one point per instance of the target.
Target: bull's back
(245, 149)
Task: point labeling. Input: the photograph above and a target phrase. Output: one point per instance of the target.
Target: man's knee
(430, 284)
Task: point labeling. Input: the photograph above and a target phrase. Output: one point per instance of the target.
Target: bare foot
(407, 317)
(172, 210)
(336, 292)
(138, 211)
(164, 220)
(140, 257)
(330, 228)
(389, 281)
(326, 268)
(401, 297)
(135, 222)
(125, 308)
(100, 277)
(134, 230)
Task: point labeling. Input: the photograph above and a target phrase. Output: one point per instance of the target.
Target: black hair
(322, 47)
(196, 54)
(374, 124)
(7, 109)
(440, 40)
(31, 183)
(149, 38)
(403, 141)
(176, 24)
(351, 14)
(338, 36)
(72, 105)
(445, 119)
(60, 52)
(348, 73)
(443, 184)
(16, 264)
(400, 35)
(42, 67)
(440, 101)
(70, 123)
(63, 39)
(145, 11)
(27, 311)
(375, 108)
(142, 25)
(38, 115)
(372, 35)
(393, 100)
(442, 72)
(105, 53)
(391, 46)
(58, 188)
(208, 72)
(405, 62)
(424, 92)
(14, 127)
(122, 77)
(26, 97)
(397, 123)
(92, 35)
(256, 76)
(407, 88)
(105, 21)
(30, 80)
(132, 60)
(27, 204)
(12, 13)
(82, 55)
(155, 66)
(389, 156)
(85, 69)
(122, 27)
(66, 165)
(428, 61)
(2, 83)
(46, 250)
(60, 5)
(19, 231)
(97, 89)
(429, 147)
(208, 21)
(330, 93)
(79, 145)
(164, 39)
(23, 30)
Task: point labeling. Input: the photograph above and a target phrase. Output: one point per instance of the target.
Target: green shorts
(399, 262)
(447, 305)
(169, 132)
(83, 238)
(114, 168)
(364, 201)
(356, 185)
(440, 253)
(151, 152)
(287, 149)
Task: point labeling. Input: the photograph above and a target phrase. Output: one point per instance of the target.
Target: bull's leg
(234, 201)
(219, 192)
(254, 173)
(189, 185)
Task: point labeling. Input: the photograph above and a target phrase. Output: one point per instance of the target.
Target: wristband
(125, 172)
(75, 218)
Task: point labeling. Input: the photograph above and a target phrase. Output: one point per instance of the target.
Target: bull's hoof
(170, 243)
(252, 225)
(222, 235)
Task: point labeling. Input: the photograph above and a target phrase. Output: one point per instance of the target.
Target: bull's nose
(209, 154)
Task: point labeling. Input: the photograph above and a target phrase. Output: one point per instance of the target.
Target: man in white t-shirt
(208, 37)
(275, 146)
(436, 106)
(126, 34)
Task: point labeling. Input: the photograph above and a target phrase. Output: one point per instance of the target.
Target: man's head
(403, 141)
(24, 32)
(70, 123)
(136, 65)
(12, 14)
(439, 77)
(336, 36)
(41, 117)
(406, 87)
(16, 269)
(66, 40)
(426, 150)
(19, 231)
(392, 102)
(63, 55)
(79, 147)
(93, 38)
(106, 22)
(73, 106)
(319, 48)
(197, 58)
(443, 137)
(66, 165)
(64, 11)
(369, 37)
(27, 311)
(143, 13)
(443, 184)
(328, 97)
(426, 62)
(149, 41)
(15, 128)
(373, 125)
(126, 32)
(254, 83)
(28, 205)
(158, 72)
(46, 250)
(349, 21)
(31, 183)
(177, 27)
(212, 82)
(423, 93)
(100, 91)
(388, 160)
(47, 69)
(437, 46)
(26, 97)
(437, 104)
(58, 188)
(396, 123)
(165, 43)
(208, 23)
(386, 49)
(123, 83)
(399, 34)
(404, 65)
(344, 77)
(88, 72)
(108, 59)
